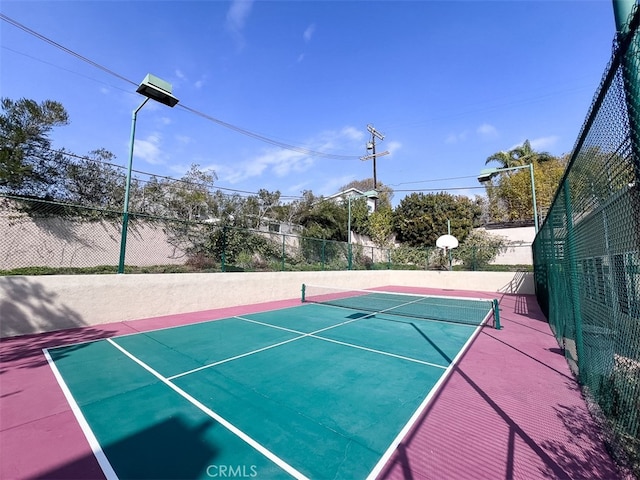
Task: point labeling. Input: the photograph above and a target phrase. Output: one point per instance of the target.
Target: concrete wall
(519, 239)
(34, 304)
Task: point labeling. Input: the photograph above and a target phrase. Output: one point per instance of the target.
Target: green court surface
(311, 391)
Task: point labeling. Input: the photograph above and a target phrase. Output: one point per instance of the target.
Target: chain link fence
(587, 254)
(45, 237)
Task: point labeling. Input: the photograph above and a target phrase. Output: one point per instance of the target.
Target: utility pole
(372, 146)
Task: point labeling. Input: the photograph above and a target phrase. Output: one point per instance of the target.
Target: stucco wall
(33, 304)
(520, 240)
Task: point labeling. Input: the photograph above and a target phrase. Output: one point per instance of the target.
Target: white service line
(422, 407)
(229, 426)
(346, 344)
(106, 467)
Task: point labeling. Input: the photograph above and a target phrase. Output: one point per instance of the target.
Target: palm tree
(505, 159)
(519, 156)
(524, 155)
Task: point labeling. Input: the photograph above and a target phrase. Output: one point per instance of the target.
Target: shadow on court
(168, 450)
(26, 351)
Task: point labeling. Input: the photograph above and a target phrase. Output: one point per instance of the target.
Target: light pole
(160, 91)
(488, 173)
(372, 194)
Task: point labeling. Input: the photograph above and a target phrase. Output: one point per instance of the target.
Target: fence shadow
(517, 282)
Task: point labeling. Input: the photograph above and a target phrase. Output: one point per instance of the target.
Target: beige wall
(33, 304)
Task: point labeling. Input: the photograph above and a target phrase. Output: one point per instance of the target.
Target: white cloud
(544, 143)
(301, 57)
(276, 162)
(487, 131)
(237, 16)
(180, 75)
(456, 137)
(540, 144)
(148, 149)
(199, 83)
(393, 147)
(333, 185)
(298, 188)
(352, 133)
(308, 33)
(283, 163)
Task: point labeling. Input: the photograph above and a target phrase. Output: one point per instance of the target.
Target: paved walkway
(512, 409)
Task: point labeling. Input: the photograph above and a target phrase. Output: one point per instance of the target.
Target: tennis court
(318, 390)
(509, 407)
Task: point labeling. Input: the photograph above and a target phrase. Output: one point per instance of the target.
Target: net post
(304, 288)
(496, 314)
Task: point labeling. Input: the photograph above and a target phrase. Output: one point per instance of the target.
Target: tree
(360, 214)
(479, 249)
(525, 155)
(421, 218)
(381, 225)
(515, 194)
(521, 155)
(190, 197)
(294, 211)
(325, 220)
(27, 164)
(503, 158)
(92, 181)
(509, 195)
(262, 206)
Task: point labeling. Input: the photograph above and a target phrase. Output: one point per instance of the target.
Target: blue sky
(447, 82)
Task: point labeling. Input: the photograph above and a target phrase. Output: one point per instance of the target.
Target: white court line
(220, 362)
(106, 467)
(302, 335)
(352, 345)
(388, 354)
(228, 425)
(252, 352)
(422, 407)
(346, 344)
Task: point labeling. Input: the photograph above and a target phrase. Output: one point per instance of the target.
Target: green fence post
(573, 275)
(304, 288)
(627, 17)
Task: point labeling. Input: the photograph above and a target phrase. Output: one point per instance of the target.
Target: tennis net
(470, 311)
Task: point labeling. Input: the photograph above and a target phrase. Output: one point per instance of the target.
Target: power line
(164, 177)
(243, 131)
(63, 48)
(430, 181)
(262, 138)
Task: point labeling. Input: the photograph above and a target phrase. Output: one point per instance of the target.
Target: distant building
(353, 192)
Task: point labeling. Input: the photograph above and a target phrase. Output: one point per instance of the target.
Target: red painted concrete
(511, 409)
